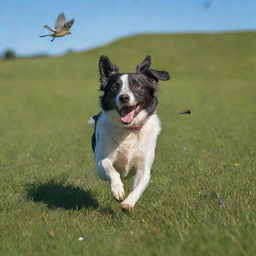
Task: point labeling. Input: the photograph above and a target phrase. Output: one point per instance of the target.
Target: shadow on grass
(58, 195)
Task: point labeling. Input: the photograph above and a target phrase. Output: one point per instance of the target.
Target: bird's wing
(69, 24)
(61, 21)
(46, 26)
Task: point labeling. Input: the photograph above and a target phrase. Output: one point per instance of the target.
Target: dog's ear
(158, 75)
(144, 67)
(106, 69)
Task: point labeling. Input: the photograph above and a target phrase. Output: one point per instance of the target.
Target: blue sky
(100, 21)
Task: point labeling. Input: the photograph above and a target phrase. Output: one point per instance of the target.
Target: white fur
(125, 90)
(120, 151)
(91, 122)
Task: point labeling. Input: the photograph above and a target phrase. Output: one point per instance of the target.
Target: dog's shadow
(57, 195)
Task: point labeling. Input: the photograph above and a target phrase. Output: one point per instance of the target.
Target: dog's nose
(124, 98)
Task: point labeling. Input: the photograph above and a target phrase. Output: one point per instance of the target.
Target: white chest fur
(126, 149)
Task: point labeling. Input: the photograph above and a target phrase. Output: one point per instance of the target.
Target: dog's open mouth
(128, 113)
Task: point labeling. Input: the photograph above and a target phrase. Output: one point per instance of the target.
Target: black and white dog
(126, 130)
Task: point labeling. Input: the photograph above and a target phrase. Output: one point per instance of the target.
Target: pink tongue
(127, 116)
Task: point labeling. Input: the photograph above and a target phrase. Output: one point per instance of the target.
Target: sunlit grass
(50, 195)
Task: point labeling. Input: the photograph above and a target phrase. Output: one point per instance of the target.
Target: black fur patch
(93, 141)
(114, 85)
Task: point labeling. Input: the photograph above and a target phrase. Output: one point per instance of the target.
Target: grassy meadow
(201, 200)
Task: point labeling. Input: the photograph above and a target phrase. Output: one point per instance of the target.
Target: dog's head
(129, 97)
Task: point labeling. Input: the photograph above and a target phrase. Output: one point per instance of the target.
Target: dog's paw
(126, 207)
(117, 190)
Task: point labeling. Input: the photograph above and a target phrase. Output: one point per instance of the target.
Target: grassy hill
(50, 195)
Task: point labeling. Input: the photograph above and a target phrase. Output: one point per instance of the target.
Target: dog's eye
(115, 87)
(136, 86)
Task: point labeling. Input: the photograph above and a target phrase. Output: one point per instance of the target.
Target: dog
(126, 129)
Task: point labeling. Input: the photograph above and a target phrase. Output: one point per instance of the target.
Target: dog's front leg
(140, 183)
(106, 171)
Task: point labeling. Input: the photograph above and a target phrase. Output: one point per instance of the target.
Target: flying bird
(185, 112)
(62, 27)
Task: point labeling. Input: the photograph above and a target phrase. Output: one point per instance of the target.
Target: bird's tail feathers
(46, 26)
(46, 35)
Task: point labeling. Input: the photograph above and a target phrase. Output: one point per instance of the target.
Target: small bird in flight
(62, 27)
(185, 112)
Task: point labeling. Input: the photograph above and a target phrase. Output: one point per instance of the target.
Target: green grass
(50, 195)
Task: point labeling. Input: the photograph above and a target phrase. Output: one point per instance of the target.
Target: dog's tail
(91, 122)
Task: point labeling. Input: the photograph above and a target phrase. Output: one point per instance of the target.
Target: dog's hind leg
(106, 171)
